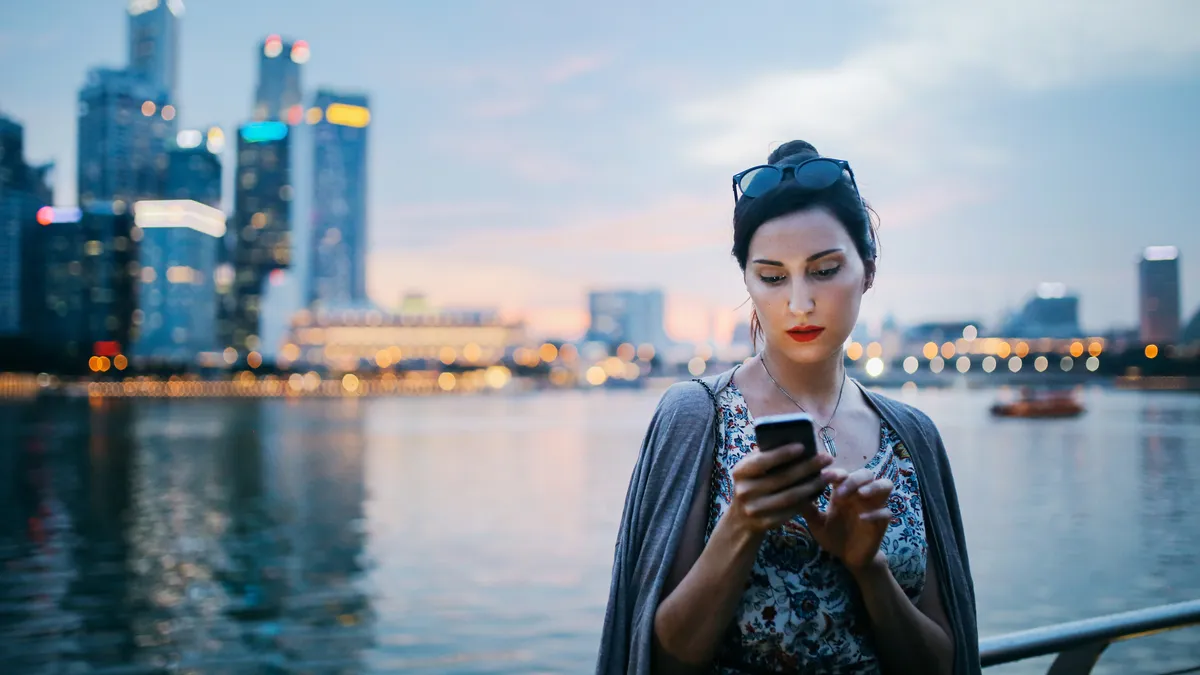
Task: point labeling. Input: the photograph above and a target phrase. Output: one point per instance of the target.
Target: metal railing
(1079, 644)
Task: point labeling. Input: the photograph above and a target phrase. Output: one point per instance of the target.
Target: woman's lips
(805, 334)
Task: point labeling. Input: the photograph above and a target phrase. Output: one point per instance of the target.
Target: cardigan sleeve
(673, 451)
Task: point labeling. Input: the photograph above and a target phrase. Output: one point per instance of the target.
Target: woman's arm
(706, 582)
(910, 638)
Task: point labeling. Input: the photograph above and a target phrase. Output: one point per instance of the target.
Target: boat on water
(1048, 403)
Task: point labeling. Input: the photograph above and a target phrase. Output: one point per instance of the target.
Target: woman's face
(806, 281)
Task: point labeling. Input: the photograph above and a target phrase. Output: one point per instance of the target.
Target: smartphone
(775, 431)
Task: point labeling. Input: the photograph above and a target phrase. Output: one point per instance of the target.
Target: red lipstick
(805, 333)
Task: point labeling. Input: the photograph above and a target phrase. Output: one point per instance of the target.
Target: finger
(758, 464)
(882, 515)
(853, 482)
(789, 475)
(790, 500)
(834, 477)
(880, 488)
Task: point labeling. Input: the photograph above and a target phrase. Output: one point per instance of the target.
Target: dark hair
(841, 200)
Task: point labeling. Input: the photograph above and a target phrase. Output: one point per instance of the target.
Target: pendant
(827, 439)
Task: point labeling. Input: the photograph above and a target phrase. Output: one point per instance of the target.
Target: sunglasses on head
(816, 173)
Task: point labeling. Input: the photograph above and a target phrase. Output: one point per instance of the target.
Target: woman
(733, 560)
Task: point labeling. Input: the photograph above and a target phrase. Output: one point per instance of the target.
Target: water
(475, 534)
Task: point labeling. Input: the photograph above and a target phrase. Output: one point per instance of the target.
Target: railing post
(1078, 661)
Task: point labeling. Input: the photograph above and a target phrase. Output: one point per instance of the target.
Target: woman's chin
(807, 353)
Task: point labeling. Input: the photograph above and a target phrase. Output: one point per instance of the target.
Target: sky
(523, 153)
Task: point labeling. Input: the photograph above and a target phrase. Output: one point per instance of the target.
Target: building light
(300, 52)
(189, 138)
(259, 132)
(314, 115)
(48, 215)
(168, 112)
(181, 274)
(216, 140)
(1158, 253)
(273, 46)
(148, 108)
(346, 115)
(179, 213)
(1049, 291)
(137, 7)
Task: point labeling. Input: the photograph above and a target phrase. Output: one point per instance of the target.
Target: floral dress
(801, 611)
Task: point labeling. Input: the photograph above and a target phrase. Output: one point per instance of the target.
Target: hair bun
(792, 149)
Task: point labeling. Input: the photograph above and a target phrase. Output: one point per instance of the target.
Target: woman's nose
(801, 301)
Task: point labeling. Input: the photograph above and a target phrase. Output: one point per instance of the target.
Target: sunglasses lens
(759, 181)
(819, 174)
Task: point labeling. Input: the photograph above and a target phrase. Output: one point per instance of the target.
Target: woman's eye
(768, 279)
(827, 272)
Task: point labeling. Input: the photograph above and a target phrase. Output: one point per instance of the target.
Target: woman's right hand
(769, 488)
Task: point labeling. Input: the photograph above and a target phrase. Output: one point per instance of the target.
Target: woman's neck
(815, 386)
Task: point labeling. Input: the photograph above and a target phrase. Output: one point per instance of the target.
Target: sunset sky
(524, 152)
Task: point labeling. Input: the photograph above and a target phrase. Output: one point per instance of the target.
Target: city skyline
(526, 162)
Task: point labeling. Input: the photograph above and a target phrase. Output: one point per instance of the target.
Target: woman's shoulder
(694, 397)
(688, 399)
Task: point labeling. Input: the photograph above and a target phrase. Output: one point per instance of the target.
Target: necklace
(826, 432)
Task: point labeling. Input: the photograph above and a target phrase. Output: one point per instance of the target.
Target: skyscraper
(278, 94)
(634, 317)
(1158, 295)
(339, 204)
(1053, 312)
(24, 191)
(154, 43)
(177, 256)
(123, 125)
(59, 324)
(261, 226)
(109, 277)
(194, 166)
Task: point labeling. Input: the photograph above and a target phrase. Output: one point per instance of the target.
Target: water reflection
(194, 535)
(475, 534)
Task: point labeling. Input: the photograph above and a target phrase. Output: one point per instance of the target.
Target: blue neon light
(259, 132)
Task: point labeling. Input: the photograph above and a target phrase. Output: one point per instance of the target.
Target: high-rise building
(1052, 312)
(339, 203)
(58, 325)
(260, 227)
(278, 95)
(177, 257)
(154, 43)
(124, 123)
(89, 258)
(110, 277)
(1158, 295)
(634, 317)
(24, 191)
(194, 166)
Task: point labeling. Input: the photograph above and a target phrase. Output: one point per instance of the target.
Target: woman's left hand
(852, 527)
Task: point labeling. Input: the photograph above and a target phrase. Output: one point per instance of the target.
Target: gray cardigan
(679, 448)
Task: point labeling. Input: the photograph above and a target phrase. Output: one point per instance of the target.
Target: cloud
(506, 91)
(877, 103)
(675, 224)
(574, 67)
(543, 270)
(474, 273)
(501, 108)
(519, 155)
